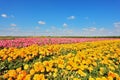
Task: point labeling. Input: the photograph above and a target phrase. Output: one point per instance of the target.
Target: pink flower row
(24, 42)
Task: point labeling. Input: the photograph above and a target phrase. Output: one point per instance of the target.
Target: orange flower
(28, 77)
(18, 69)
(5, 76)
(23, 72)
(4, 57)
(111, 74)
(12, 73)
(38, 66)
(22, 75)
(10, 78)
(42, 77)
(38, 77)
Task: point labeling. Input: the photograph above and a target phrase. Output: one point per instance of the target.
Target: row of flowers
(24, 42)
(77, 61)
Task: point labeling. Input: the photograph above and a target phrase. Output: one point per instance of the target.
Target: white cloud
(117, 27)
(102, 29)
(4, 15)
(93, 31)
(65, 25)
(71, 17)
(55, 31)
(13, 25)
(7, 16)
(53, 27)
(12, 30)
(85, 29)
(117, 24)
(41, 22)
(68, 31)
(90, 29)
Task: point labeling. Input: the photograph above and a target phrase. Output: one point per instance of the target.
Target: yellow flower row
(89, 60)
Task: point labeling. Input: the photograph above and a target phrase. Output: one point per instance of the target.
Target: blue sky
(60, 17)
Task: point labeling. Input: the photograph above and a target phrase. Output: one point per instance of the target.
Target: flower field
(60, 59)
(24, 42)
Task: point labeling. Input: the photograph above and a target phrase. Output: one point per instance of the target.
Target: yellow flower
(81, 73)
(68, 67)
(9, 59)
(61, 66)
(101, 70)
(28, 77)
(88, 61)
(76, 79)
(38, 77)
(110, 78)
(91, 78)
(65, 72)
(55, 70)
(48, 69)
(90, 68)
(112, 68)
(26, 66)
(82, 67)
(54, 75)
(103, 78)
(32, 71)
(94, 63)
(18, 69)
(98, 78)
